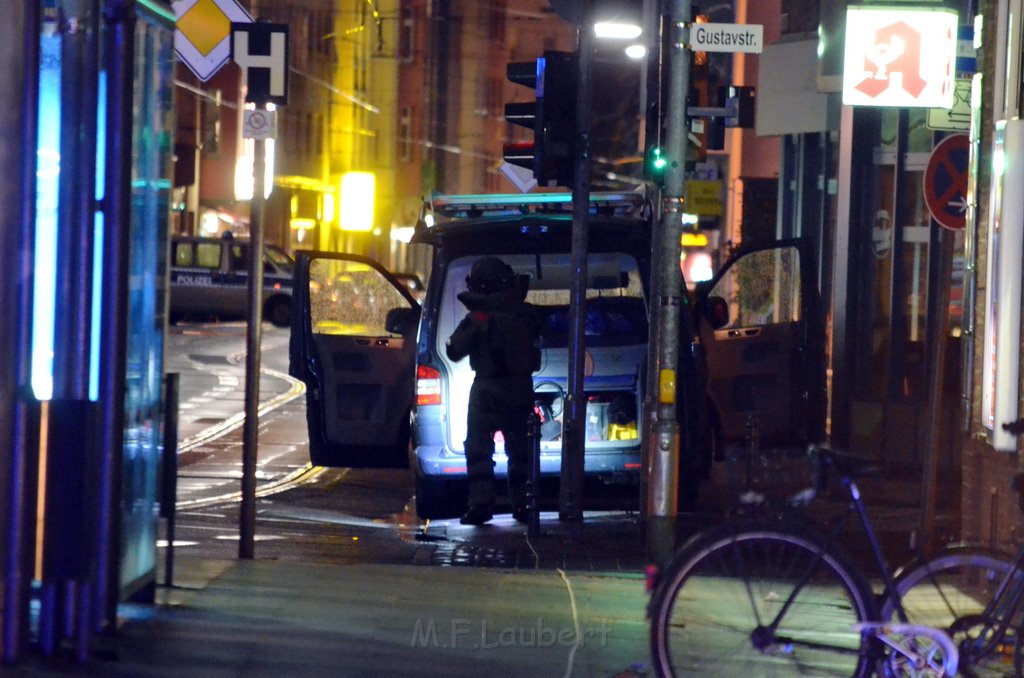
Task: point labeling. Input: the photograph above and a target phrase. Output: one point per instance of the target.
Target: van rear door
(353, 344)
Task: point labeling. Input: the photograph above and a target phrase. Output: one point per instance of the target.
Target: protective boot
(478, 514)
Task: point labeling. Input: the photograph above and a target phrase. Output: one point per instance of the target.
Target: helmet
(490, 274)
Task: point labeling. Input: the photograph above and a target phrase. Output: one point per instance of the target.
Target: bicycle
(766, 595)
(975, 595)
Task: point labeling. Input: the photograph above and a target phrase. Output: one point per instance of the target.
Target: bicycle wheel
(715, 611)
(950, 592)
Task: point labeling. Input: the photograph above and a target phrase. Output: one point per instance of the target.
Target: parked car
(210, 278)
(379, 384)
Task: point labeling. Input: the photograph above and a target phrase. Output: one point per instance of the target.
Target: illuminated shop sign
(1003, 288)
(900, 56)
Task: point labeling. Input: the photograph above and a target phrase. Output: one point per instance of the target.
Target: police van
(210, 276)
(382, 392)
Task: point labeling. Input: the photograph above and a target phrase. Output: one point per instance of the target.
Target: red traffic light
(520, 153)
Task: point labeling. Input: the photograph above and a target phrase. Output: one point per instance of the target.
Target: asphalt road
(342, 516)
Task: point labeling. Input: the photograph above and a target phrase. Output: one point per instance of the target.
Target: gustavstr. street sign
(747, 38)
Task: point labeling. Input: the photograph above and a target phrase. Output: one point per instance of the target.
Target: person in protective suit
(499, 334)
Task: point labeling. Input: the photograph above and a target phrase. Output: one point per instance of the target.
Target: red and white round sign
(945, 181)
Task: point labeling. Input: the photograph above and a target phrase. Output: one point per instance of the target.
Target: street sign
(945, 181)
(261, 49)
(966, 54)
(704, 198)
(202, 33)
(259, 124)
(727, 38)
(957, 118)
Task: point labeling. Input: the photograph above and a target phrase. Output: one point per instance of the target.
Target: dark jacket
(499, 334)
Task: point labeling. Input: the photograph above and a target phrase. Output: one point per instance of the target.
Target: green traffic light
(659, 161)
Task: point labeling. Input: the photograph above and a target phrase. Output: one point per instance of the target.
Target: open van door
(761, 325)
(353, 344)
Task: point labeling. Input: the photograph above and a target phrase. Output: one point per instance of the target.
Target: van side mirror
(717, 312)
(401, 320)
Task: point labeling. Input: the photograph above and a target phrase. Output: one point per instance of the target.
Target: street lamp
(636, 51)
(617, 30)
(621, 28)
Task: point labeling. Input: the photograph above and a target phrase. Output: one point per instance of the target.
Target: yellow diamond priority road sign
(203, 35)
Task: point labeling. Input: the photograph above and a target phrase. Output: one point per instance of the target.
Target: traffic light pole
(663, 455)
(570, 498)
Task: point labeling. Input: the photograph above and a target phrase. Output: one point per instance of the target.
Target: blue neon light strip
(98, 223)
(47, 183)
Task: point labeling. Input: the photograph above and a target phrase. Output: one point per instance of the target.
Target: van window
(183, 254)
(208, 255)
(616, 312)
(279, 258)
(762, 288)
(350, 298)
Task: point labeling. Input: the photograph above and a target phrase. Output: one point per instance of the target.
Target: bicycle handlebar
(825, 459)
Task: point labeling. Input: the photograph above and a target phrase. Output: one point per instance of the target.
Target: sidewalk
(289, 618)
(471, 602)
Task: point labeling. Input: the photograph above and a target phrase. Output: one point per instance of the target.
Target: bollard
(169, 470)
(533, 481)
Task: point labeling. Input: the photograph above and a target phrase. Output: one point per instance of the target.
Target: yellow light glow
(328, 207)
(302, 224)
(357, 196)
(694, 240)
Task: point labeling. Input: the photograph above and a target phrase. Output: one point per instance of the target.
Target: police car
(209, 278)
(381, 391)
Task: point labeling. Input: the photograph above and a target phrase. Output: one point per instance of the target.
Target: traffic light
(552, 116)
(739, 102)
(656, 164)
(521, 153)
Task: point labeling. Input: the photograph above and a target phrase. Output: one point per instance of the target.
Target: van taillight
(428, 385)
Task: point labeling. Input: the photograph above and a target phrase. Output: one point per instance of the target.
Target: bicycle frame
(856, 506)
(892, 635)
(998, 613)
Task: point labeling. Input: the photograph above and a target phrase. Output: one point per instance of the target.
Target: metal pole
(19, 424)
(663, 471)
(938, 330)
(533, 484)
(120, 22)
(570, 497)
(169, 480)
(253, 335)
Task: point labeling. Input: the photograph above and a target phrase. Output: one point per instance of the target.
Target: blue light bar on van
(463, 206)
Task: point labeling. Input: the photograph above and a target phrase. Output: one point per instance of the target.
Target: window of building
(407, 34)
(405, 134)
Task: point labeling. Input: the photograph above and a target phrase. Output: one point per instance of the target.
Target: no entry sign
(945, 181)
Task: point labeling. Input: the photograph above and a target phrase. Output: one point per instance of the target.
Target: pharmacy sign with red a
(902, 57)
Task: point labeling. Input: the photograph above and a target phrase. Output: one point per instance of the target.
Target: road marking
(303, 474)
